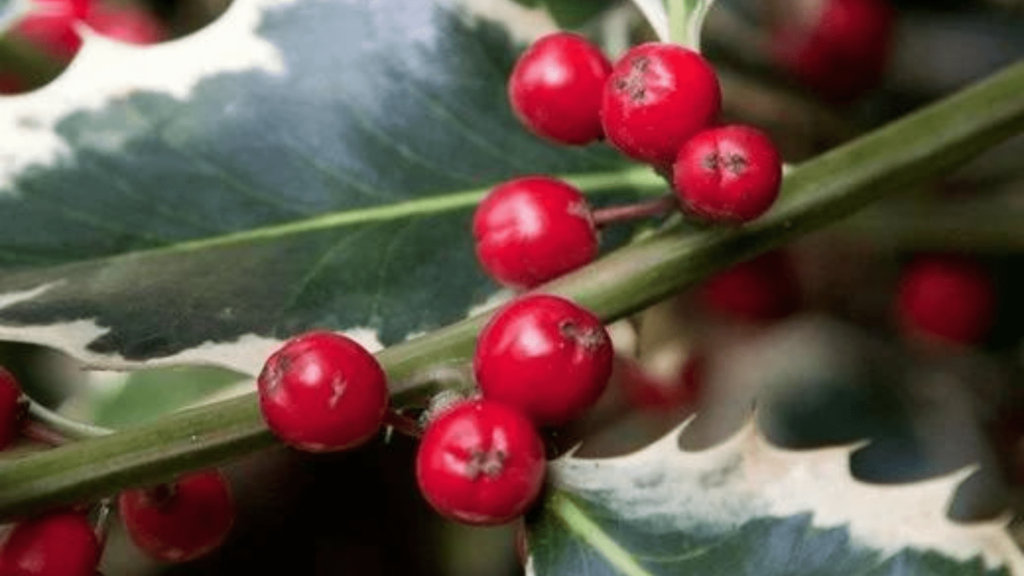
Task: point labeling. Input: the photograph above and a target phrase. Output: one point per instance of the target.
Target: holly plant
(627, 282)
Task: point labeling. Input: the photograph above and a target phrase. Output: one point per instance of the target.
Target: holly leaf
(571, 13)
(748, 507)
(10, 12)
(297, 164)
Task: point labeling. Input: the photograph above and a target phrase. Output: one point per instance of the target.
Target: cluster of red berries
(657, 105)
(174, 522)
(541, 361)
(50, 28)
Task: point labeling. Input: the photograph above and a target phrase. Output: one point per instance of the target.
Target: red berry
(59, 544)
(77, 9)
(657, 97)
(646, 391)
(131, 25)
(51, 32)
(555, 88)
(945, 298)
(323, 392)
(764, 288)
(12, 84)
(544, 356)
(180, 521)
(10, 407)
(839, 48)
(533, 229)
(481, 463)
(729, 174)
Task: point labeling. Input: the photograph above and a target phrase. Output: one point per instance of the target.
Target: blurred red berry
(762, 289)
(127, 24)
(945, 298)
(839, 48)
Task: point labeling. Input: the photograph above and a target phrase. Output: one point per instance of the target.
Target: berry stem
(628, 212)
(395, 420)
(43, 434)
(101, 521)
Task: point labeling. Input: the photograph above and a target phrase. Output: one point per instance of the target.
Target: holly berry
(12, 84)
(58, 544)
(181, 521)
(544, 356)
(533, 229)
(77, 9)
(480, 463)
(127, 24)
(728, 174)
(10, 407)
(839, 48)
(757, 290)
(657, 97)
(650, 392)
(945, 298)
(52, 32)
(323, 392)
(555, 88)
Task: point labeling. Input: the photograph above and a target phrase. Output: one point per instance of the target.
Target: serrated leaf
(297, 164)
(747, 507)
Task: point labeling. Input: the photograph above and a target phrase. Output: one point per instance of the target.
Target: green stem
(822, 191)
(685, 21)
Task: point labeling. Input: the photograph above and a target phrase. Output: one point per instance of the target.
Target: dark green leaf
(572, 13)
(297, 165)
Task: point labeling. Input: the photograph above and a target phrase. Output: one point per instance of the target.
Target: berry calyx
(323, 392)
(729, 174)
(555, 88)
(544, 356)
(762, 289)
(10, 407)
(839, 48)
(658, 96)
(533, 229)
(181, 521)
(945, 299)
(58, 544)
(480, 463)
